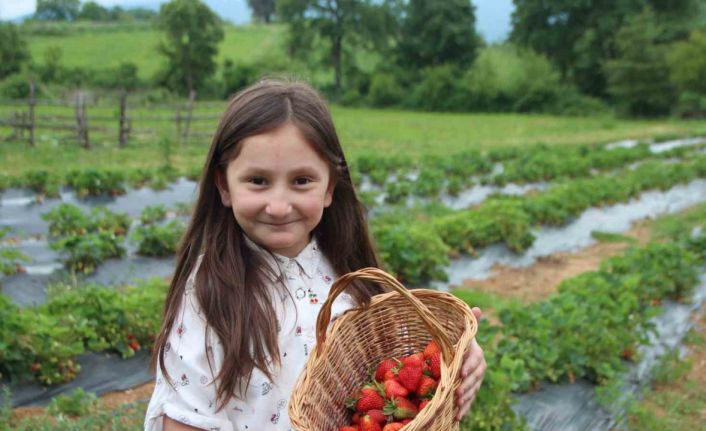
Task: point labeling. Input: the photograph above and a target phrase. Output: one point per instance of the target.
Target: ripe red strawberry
(393, 389)
(348, 428)
(384, 367)
(410, 376)
(367, 423)
(431, 349)
(414, 360)
(369, 399)
(401, 408)
(391, 374)
(435, 365)
(406, 421)
(426, 388)
(355, 418)
(378, 416)
(393, 426)
(423, 404)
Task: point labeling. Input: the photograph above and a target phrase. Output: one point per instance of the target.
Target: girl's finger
(472, 380)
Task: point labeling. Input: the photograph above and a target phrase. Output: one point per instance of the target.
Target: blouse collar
(307, 261)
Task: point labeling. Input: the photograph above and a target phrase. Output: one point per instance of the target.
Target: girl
(276, 221)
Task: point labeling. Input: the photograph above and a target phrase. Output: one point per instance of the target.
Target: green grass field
(102, 49)
(361, 131)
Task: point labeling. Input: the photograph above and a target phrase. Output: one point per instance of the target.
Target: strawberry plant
(158, 240)
(10, 258)
(83, 253)
(42, 182)
(153, 213)
(92, 182)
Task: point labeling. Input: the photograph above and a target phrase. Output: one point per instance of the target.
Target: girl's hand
(472, 372)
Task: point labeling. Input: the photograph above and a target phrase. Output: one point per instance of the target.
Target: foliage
(412, 251)
(86, 240)
(510, 78)
(92, 11)
(43, 342)
(158, 240)
(10, 258)
(153, 213)
(77, 403)
(14, 52)
(638, 78)
(437, 32)
(262, 10)
(342, 25)
(92, 182)
(580, 36)
(192, 33)
(57, 10)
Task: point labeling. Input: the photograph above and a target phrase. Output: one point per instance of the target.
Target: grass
(97, 49)
(678, 399)
(670, 226)
(611, 237)
(417, 134)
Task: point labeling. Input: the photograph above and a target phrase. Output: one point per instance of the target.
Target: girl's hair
(231, 284)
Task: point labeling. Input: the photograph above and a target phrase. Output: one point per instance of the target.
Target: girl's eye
(302, 181)
(258, 181)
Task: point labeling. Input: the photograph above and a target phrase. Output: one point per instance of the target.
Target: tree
(13, 50)
(57, 10)
(436, 32)
(341, 24)
(262, 10)
(193, 32)
(579, 35)
(687, 63)
(638, 78)
(92, 11)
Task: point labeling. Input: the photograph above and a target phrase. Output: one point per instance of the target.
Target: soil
(540, 280)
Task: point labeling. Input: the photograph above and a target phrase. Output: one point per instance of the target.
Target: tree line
(640, 57)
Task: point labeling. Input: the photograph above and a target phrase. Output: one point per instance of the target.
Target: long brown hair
(230, 284)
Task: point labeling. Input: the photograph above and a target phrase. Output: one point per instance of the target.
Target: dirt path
(538, 281)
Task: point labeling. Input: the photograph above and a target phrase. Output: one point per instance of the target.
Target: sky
(492, 16)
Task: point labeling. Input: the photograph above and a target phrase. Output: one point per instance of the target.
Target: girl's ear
(328, 198)
(222, 185)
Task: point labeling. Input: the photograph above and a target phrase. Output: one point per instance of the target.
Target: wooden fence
(21, 116)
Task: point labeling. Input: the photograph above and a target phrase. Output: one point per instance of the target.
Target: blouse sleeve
(189, 395)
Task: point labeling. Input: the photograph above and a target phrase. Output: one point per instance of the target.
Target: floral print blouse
(191, 397)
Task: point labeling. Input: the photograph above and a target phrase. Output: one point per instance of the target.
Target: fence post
(190, 109)
(32, 102)
(81, 122)
(124, 129)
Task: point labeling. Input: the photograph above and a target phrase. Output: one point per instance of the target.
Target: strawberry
(356, 418)
(378, 416)
(367, 423)
(427, 386)
(394, 389)
(406, 421)
(393, 426)
(384, 367)
(391, 374)
(435, 365)
(423, 404)
(369, 399)
(431, 349)
(401, 408)
(410, 376)
(348, 428)
(413, 360)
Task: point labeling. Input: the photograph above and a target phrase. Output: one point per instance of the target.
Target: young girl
(276, 221)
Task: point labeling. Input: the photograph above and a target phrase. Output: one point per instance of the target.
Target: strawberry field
(86, 254)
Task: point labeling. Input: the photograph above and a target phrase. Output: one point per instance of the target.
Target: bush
(16, 86)
(385, 90)
(510, 78)
(438, 90)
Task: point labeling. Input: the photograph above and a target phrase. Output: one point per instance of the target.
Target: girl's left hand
(472, 372)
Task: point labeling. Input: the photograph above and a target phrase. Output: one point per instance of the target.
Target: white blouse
(191, 398)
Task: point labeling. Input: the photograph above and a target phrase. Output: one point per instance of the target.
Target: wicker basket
(397, 323)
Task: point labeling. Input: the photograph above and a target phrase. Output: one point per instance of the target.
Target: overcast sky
(492, 16)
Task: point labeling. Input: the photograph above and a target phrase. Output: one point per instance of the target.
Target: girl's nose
(278, 206)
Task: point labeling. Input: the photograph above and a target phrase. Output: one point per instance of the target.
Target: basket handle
(377, 275)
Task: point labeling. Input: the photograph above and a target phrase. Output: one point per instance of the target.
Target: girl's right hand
(172, 425)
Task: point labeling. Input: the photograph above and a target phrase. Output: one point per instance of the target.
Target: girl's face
(278, 187)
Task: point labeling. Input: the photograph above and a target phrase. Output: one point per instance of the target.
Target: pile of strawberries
(399, 390)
